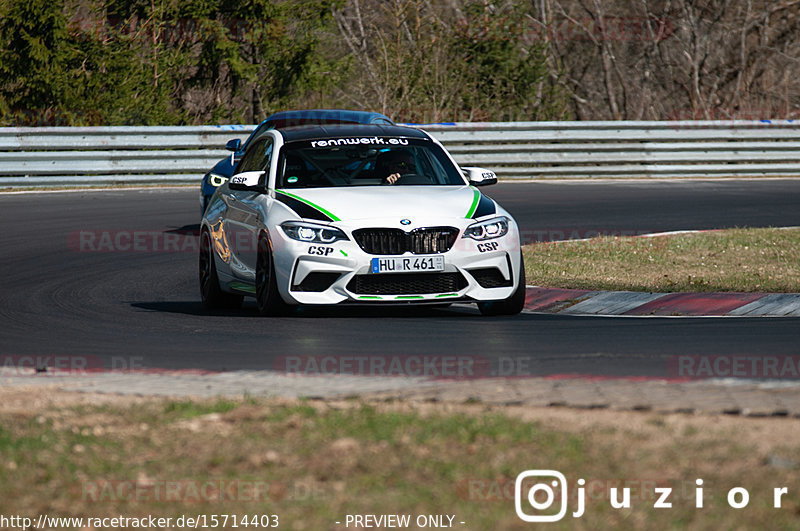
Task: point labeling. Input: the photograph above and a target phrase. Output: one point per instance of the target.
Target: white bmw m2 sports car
(369, 214)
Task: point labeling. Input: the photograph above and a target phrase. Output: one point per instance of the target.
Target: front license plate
(402, 265)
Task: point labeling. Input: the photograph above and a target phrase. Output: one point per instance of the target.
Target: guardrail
(56, 156)
(627, 149)
(102, 155)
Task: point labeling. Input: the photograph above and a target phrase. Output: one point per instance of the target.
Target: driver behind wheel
(393, 164)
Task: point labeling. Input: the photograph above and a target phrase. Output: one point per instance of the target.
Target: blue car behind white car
(223, 169)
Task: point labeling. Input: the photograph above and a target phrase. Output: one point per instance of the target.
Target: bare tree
(659, 59)
(429, 60)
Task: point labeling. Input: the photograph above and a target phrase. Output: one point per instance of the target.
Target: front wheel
(268, 299)
(211, 294)
(512, 305)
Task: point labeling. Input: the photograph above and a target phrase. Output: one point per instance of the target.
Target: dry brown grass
(739, 260)
(323, 460)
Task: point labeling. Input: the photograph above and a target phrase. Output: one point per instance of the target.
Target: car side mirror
(248, 181)
(479, 176)
(234, 144)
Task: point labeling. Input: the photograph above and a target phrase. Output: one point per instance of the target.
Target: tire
(512, 305)
(211, 294)
(268, 299)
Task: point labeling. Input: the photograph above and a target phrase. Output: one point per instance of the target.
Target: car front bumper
(310, 273)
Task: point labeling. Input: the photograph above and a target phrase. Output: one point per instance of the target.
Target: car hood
(224, 167)
(369, 202)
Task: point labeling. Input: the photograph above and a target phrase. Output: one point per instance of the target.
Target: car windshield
(368, 161)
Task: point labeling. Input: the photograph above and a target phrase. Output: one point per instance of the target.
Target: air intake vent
(316, 282)
(490, 277)
(407, 283)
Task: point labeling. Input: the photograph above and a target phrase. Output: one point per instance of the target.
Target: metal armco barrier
(57, 156)
(54, 156)
(627, 149)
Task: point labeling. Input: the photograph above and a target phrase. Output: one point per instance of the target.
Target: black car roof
(326, 116)
(348, 130)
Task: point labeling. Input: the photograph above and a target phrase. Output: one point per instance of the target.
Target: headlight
(216, 180)
(487, 230)
(308, 232)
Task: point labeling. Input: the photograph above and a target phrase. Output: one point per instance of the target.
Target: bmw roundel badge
(405, 222)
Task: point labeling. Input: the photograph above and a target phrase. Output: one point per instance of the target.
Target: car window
(266, 156)
(248, 162)
(365, 162)
(258, 157)
(263, 126)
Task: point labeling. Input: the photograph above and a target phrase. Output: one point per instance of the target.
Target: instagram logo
(538, 488)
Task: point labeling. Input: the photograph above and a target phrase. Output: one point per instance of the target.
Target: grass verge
(312, 463)
(740, 260)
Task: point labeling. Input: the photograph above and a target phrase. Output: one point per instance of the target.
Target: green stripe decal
(447, 295)
(410, 297)
(242, 287)
(475, 200)
(370, 297)
(312, 205)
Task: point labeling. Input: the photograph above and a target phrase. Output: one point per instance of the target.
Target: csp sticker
(319, 250)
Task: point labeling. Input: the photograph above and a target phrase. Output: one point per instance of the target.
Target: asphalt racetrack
(59, 297)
